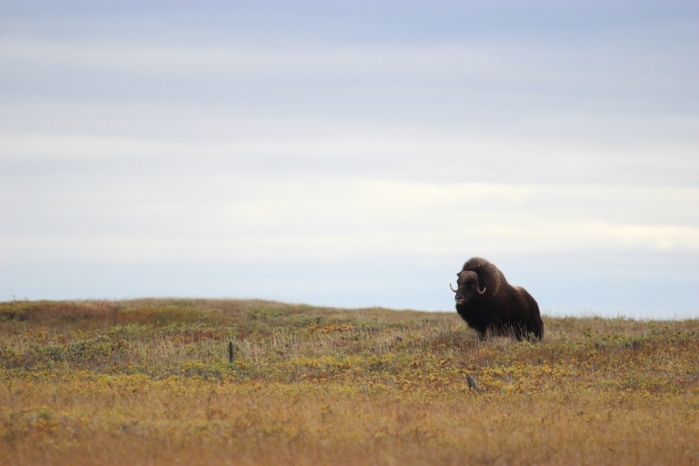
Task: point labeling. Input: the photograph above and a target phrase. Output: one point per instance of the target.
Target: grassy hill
(149, 382)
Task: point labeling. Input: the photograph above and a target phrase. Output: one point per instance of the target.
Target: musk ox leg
(535, 325)
(534, 330)
(528, 331)
(538, 330)
(521, 332)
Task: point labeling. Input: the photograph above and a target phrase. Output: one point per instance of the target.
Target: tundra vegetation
(150, 382)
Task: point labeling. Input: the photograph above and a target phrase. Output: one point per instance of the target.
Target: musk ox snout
(458, 297)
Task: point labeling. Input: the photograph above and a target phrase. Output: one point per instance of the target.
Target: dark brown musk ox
(492, 306)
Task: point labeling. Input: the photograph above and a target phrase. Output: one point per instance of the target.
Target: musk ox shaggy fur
(492, 306)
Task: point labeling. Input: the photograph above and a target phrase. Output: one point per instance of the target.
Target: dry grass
(149, 382)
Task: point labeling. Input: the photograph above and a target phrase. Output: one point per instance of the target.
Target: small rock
(472, 382)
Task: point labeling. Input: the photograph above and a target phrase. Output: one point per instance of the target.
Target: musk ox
(490, 305)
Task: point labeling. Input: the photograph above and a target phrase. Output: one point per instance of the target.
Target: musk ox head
(468, 287)
(477, 278)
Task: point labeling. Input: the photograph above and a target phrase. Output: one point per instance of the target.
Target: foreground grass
(149, 382)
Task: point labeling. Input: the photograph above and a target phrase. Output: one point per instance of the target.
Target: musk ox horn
(478, 285)
(452, 289)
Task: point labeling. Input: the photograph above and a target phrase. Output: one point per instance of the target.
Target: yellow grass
(149, 382)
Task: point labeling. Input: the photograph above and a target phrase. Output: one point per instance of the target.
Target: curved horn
(452, 289)
(478, 286)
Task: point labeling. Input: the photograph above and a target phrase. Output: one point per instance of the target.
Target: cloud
(404, 152)
(255, 62)
(248, 216)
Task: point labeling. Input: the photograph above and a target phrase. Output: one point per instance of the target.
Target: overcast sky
(351, 153)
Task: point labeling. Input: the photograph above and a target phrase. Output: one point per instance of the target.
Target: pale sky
(351, 153)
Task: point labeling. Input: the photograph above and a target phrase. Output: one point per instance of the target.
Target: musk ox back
(490, 305)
